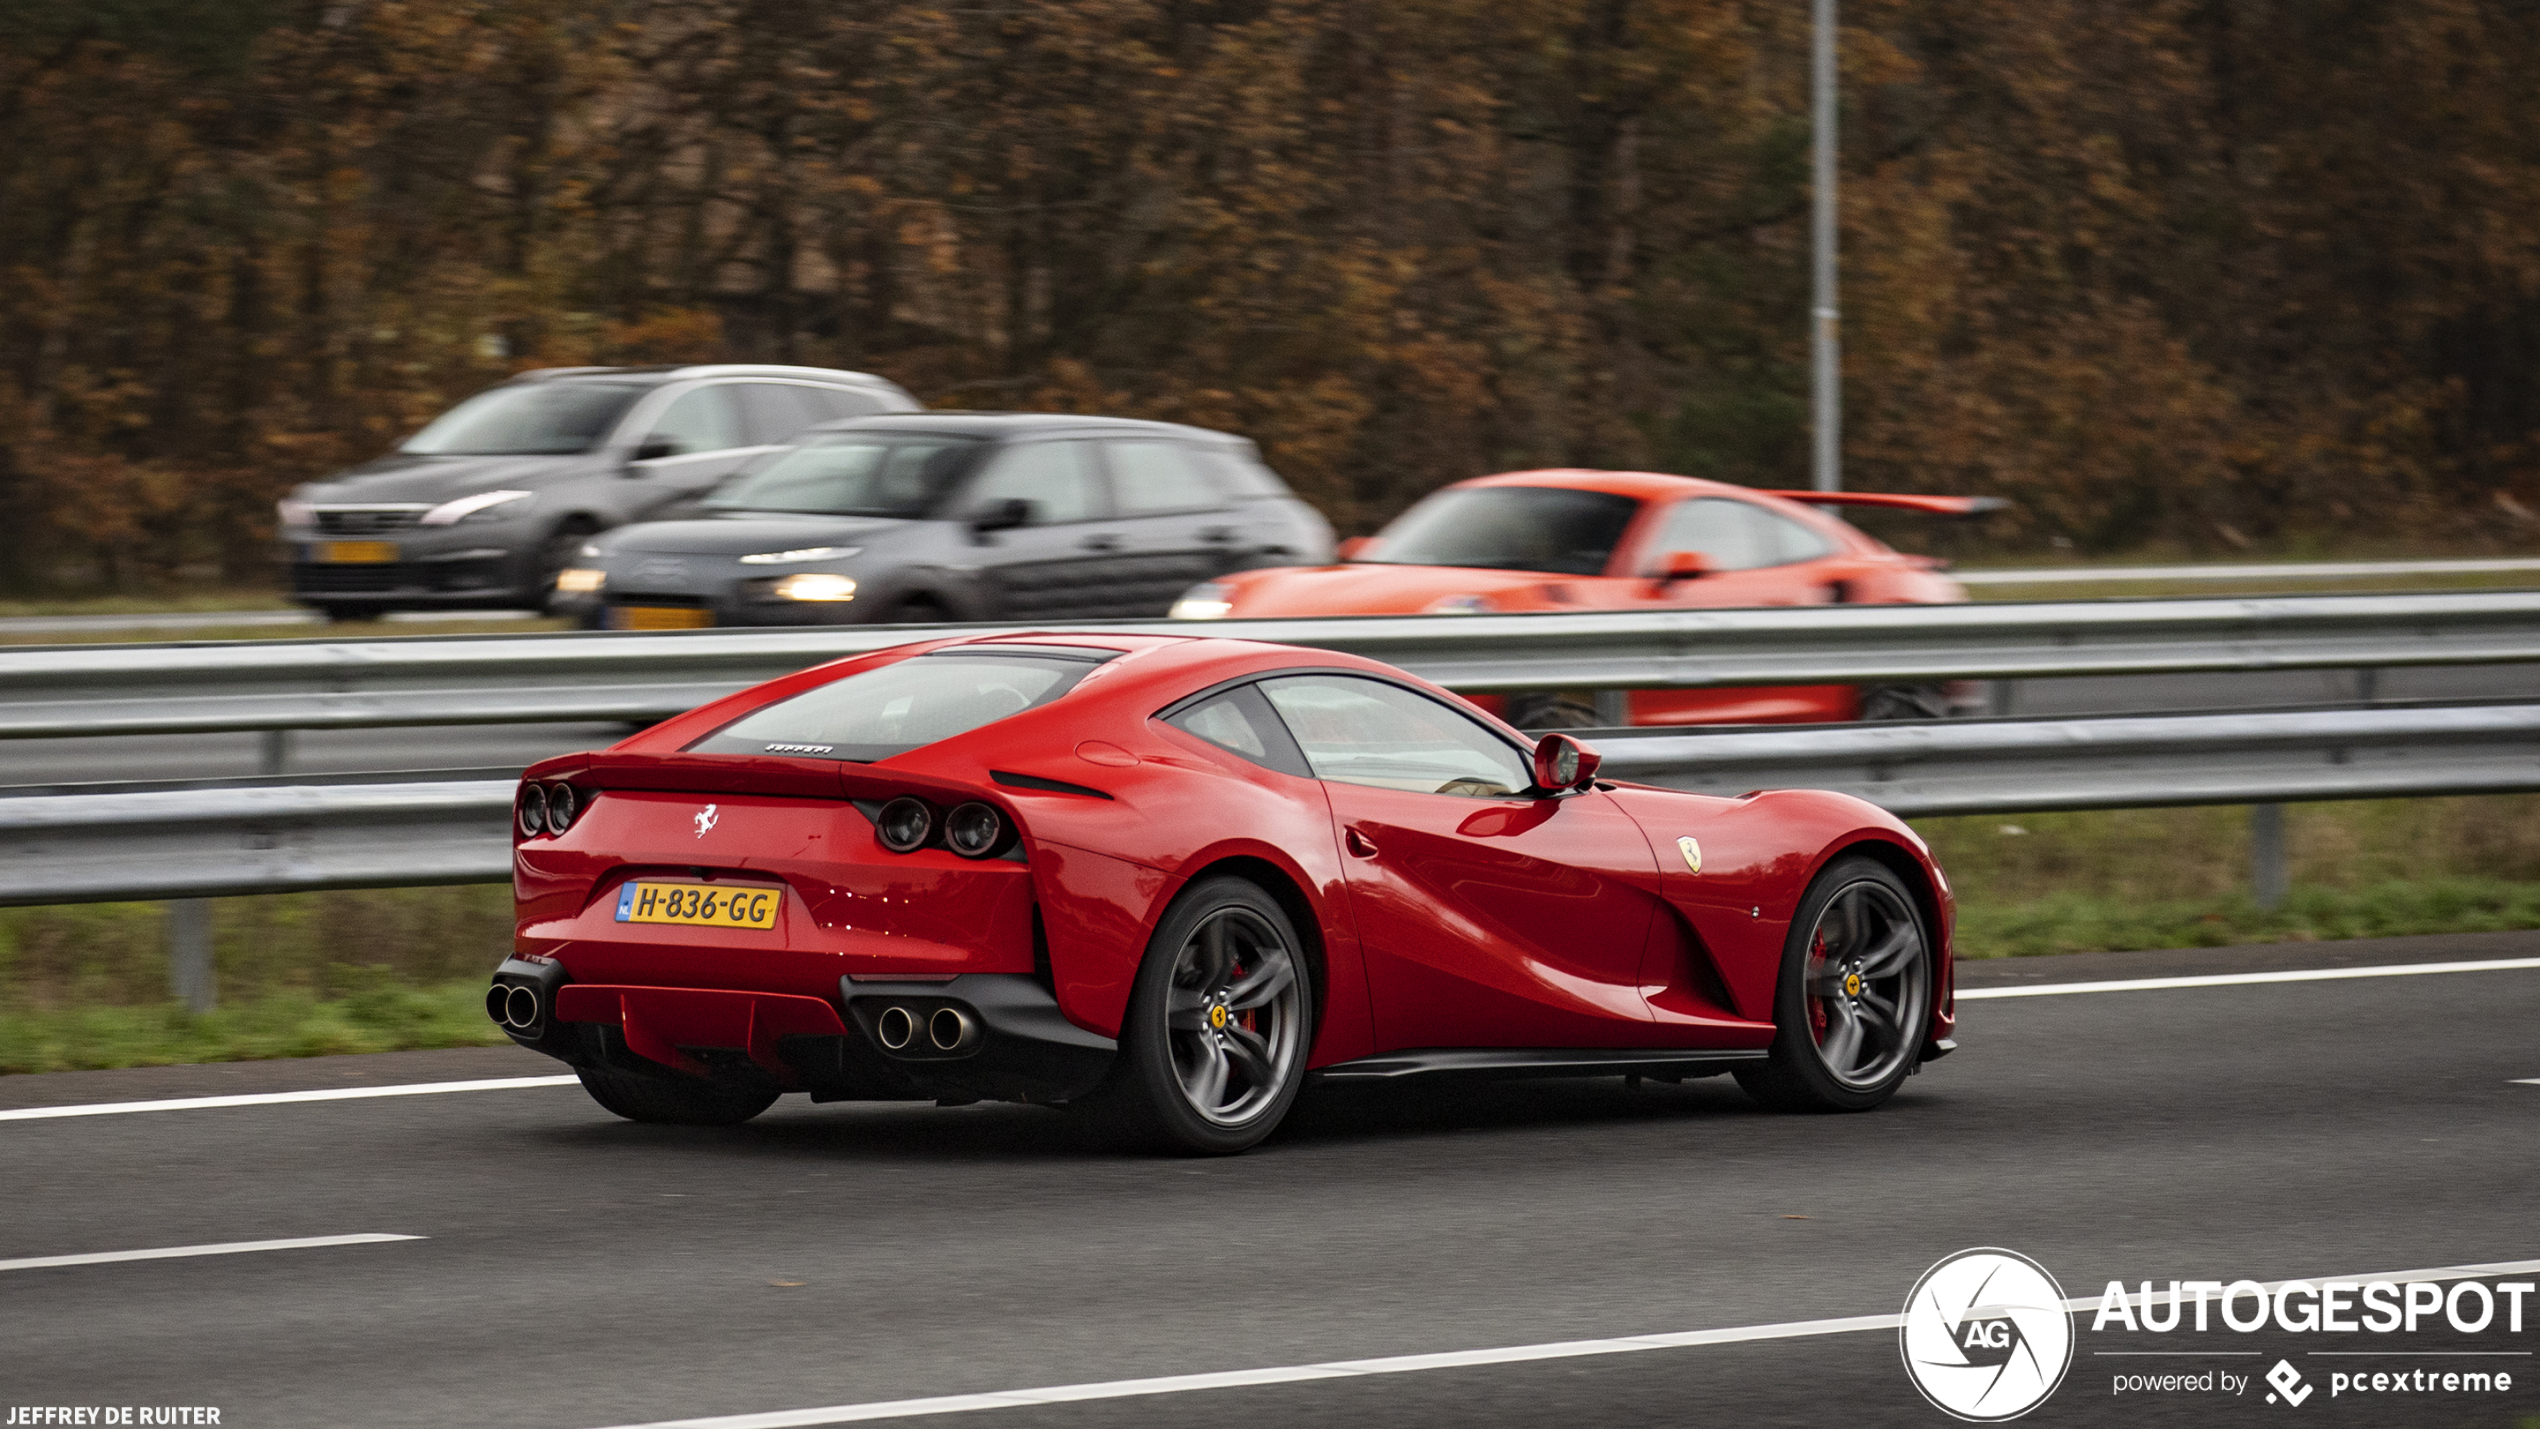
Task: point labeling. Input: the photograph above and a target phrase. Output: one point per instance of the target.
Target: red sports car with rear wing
(1167, 879)
(1624, 540)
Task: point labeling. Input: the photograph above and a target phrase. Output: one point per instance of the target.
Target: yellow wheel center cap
(1851, 984)
(1217, 1017)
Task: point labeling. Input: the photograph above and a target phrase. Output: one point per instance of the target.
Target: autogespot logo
(1986, 1335)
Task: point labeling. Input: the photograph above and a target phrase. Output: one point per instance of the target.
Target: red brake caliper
(1816, 1004)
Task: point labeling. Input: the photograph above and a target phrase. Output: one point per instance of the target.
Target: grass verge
(384, 1018)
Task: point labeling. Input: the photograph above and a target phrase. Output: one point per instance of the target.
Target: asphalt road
(579, 1271)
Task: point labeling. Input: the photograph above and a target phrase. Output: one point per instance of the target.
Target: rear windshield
(904, 706)
(528, 419)
(851, 474)
(1509, 528)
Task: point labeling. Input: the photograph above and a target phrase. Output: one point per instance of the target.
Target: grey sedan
(953, 516)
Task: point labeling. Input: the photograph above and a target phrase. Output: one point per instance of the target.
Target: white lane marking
(2154, 984)
(2527, 1081)
(1408, 1364)
(2331, 570)
(180, 1252)
(331, 1094)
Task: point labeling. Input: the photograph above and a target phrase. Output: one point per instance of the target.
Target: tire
(1852, 1007)
(675, 1101)
(1213, 1047)
(914, 610)
(346, 614)
(1887, 702)
(1531, 712)
(556, 552)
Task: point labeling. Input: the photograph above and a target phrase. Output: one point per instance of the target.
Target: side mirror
(1001, 516)
(655, 448)
(1681, 566)
(1563, 763)
(1350, 549)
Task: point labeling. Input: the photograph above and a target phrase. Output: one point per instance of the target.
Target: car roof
(1009, 426)
(1646, 485)
(681, 372)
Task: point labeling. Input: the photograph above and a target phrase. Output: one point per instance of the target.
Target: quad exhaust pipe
(514, 1006)
(946, 1029)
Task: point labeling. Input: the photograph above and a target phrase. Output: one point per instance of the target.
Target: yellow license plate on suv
(659, 617)
(357, 553)
(699, 905)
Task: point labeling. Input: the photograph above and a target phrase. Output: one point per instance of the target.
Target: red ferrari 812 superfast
(1170, 880)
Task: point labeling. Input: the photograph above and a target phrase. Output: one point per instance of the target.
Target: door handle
(1359, 844)
(1103, 541)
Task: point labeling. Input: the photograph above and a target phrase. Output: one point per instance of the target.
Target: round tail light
(904, 824)
(562, 805)
(974, 830)
(533, 809)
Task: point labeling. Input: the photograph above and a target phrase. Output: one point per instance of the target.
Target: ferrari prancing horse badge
(1692, 852)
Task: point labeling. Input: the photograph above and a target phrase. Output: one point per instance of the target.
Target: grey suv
(482, 507)
(954, 516)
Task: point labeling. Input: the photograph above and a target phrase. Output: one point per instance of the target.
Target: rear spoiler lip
(1895, 501)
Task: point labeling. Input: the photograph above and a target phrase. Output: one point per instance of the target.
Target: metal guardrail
(66, 691)
(214, 840)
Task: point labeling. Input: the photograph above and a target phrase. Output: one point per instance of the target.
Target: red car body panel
(1471, 922)
(1856, 569)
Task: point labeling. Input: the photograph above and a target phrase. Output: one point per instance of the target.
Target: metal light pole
(1825, 335)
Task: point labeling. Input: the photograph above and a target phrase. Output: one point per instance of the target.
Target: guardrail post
(2268, 879)
(190, 953)
(273, 751)
(1613, 708)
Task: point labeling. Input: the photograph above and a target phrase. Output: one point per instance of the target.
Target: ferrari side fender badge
(1692, 851)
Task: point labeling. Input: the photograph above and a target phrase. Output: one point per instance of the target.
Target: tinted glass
(1151, 477)
(899, 707)
(1736, 535)
(1056, 477)
(774, 412)
(1241, 722)
(705, 420)
(1509, 528)
(529, 419)
(851, 474)
(1358, 731)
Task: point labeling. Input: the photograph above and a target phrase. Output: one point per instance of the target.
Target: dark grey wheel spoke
(1843, 1037)
(1185, 1009)
(1879, 1018)
(1269, 976)
(1250, 1054)
(1901, 946)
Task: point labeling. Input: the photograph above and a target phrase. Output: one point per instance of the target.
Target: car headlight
(807, 553)
(1459, 605)
(292, 511)
(1205, 601)
(814, 585)
(580, 580)
(483, 506)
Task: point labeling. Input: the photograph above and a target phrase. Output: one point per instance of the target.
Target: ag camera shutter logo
(1986, 1336)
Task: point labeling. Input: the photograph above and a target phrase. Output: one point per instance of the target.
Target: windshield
(1509, 528)
(851, 474)
(904, 706)
(528, 419)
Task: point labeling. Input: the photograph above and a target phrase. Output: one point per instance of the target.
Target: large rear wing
(1928, 505)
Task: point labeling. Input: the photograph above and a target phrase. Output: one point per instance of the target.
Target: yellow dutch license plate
(699, 905)
(659, 617)
(357, 553)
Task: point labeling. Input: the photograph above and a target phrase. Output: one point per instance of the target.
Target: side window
(1736, 535)
(1056, 477)
(1152, 477)
(1361, 731)
(702, 421)
(834, 403)
(777, 411)
(1240, 721)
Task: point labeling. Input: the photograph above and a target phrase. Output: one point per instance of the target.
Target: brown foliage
(2153, 270)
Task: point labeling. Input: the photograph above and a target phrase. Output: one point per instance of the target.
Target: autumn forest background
(2170, 274)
